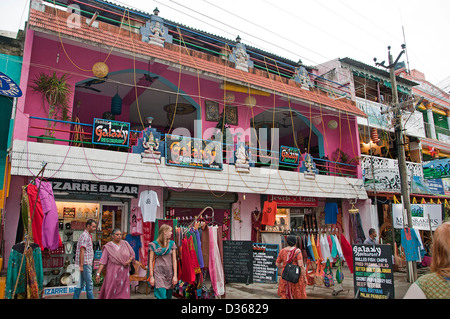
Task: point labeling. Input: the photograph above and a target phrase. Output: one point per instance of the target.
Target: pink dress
(116, 284)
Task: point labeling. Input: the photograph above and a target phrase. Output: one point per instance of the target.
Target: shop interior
(58, 265)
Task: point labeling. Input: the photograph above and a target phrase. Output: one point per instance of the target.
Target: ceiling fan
(87, 85)
(149, 78)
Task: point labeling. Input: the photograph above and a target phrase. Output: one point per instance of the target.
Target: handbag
(318, 278)
(310, 274)
(339, 273)
(328, 279)
(291, 273)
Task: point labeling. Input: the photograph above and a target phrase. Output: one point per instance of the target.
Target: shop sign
(383, 180)
(290, 155)
(238, 261)
(94, 188)
(109, 132)
(59, 291)
(8, 87)
(373, 276)
(264, 267)
(422, 216)
(436, 169)
(294, 201)
(192, 152)
(427, 186)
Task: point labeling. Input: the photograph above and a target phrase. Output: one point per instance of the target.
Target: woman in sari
(163, 263)
(289, 290)
(117, 256)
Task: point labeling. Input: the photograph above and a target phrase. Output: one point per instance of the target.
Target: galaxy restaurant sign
(111, 133)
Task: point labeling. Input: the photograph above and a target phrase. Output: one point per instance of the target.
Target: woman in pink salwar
(117, 256)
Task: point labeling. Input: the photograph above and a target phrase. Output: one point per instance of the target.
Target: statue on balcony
(241, 163)
(154, 31)
(151, 146)
(240, 56)
(301, 76)
(308, 166)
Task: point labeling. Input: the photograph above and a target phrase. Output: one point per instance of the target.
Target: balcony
(80, 159)
(378, 116)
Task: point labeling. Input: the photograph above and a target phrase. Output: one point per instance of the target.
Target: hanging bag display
(328, 279)
(318, 279)
(339, 273)
(291, 273)
(310, 274)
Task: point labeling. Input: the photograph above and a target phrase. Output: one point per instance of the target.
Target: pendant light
(116, 103)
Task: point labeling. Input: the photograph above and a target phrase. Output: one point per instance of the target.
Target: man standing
(84, 257)
(372, 238)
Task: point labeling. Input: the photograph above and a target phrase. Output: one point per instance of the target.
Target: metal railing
(258, 157)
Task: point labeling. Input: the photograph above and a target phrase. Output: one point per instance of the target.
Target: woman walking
(163, 263)
(117, 256)
(289, 290)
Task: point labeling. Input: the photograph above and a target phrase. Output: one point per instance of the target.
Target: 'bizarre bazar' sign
(373, 277)
(192, 152)
(109, 132)
(95, 188)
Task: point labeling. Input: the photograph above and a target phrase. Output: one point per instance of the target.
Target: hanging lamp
(116, 104)
(374, 135)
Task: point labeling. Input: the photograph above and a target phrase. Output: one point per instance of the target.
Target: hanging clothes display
(356, 227)
(50, 224)
(215, 263)
(411, 244)
(325, 248)
(331, 212)
(269, 212)
(36, 214)
(256, 226)
(148, 203)
(135, 243)
(347, 252)
(25, 274)
(187, 266)
(136, 227)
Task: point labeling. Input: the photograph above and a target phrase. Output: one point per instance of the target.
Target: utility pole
(397, 110)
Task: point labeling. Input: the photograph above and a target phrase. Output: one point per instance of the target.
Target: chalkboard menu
(238, 261)
(373, 277)
(264, 258)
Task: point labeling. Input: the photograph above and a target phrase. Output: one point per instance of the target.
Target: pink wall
(50, 54)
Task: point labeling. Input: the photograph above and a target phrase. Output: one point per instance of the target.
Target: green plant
(55, 90)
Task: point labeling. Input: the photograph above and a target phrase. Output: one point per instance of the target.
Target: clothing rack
(197, 217)
(27, 241)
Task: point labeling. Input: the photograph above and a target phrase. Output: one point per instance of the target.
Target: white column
(431, 121)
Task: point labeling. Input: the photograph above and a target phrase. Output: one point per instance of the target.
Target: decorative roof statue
(301, 76)
(240, 56)
(241, 164)
(154, 31)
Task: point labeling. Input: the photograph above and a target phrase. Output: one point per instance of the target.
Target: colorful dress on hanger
(411, 244)
(269, 212)
(50, 223)
(36, 214)
(25, 272)
(289, 290)
(215, 263)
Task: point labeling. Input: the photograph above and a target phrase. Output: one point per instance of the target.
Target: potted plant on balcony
(55, 91)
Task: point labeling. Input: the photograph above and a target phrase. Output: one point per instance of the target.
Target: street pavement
(269, 291)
